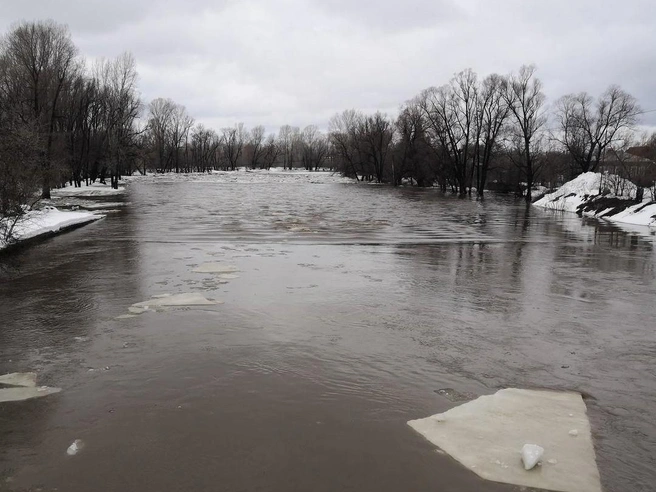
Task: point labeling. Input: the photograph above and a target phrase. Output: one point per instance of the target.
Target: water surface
(355, 308)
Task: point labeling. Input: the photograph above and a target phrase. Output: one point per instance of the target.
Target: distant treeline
(63, 121)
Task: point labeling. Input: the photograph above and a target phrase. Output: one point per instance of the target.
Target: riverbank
(603, 196)
(38, 224)
(247, 176)
(69, 208)
(93, 189)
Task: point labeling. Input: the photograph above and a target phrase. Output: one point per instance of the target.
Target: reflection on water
(353, 308)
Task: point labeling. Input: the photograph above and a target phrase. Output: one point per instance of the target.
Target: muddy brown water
(354, 307)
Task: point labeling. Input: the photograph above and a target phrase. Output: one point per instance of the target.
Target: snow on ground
(249, 176)
(94, 189)
(46, 221)
(589, 186)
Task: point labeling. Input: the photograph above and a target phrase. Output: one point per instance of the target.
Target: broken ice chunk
(75, 448)
(531, 454)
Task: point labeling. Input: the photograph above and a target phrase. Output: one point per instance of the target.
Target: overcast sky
(298, 62)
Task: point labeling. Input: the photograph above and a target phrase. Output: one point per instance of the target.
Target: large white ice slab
(487, 435)
(20, 393)
(19, 379)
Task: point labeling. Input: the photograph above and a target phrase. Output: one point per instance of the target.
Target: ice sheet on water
(486, 435)
(20, 393)
(190, 299)
(23, 387)
(75, 448)
(220, 268)
(19, 379)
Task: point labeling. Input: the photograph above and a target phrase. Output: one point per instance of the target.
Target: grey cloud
(81, 16)
(394, 15)
(300, 61)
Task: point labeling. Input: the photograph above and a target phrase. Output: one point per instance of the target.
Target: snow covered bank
(46, 221)
(94, 189)
(607, 197)
(248, 176)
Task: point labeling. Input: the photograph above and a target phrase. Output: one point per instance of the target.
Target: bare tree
(344, 138)
(117, 80)
(450, 112)
(587, 128)
(290, 143)
(20, 153)
(181, 123)
(314, 148)
(412, 157)
(271, 151)
(204, 148)
(233, 143)
(376, 133)
(159, 125)
(525, 101)
(39, 59)
(491, 114)
(256, 146)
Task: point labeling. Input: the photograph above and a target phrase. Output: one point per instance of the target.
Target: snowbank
(94, 189)
(605, 196)
(49, 220)
(248, 176)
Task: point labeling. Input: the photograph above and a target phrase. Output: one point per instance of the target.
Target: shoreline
(604, 197)
(40, 225)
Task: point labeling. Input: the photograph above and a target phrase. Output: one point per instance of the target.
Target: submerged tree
(232, 141)
(491, 115)
(525, 101)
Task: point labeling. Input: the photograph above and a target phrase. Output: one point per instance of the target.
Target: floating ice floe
(19, 379)
(75, 448)
(220, 268)
(22, 386)
(176, 300)
(487, 434)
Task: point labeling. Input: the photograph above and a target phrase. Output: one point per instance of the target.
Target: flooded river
(354, 309)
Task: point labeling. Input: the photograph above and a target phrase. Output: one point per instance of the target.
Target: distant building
(636, 163)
